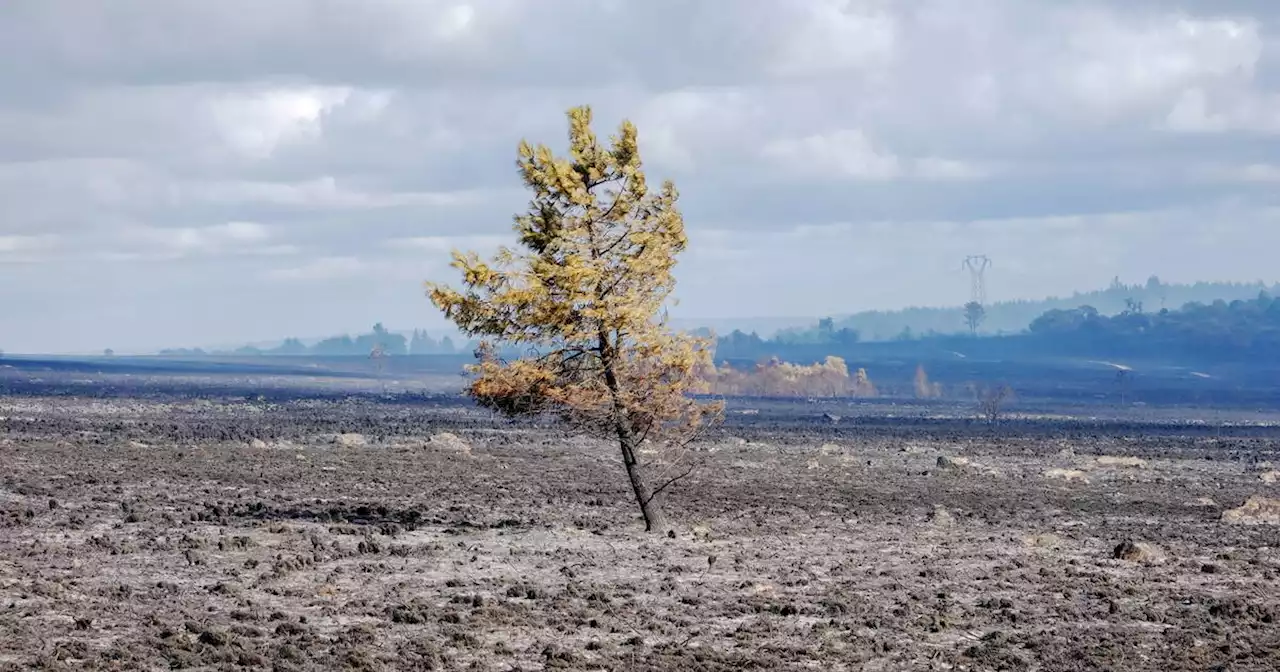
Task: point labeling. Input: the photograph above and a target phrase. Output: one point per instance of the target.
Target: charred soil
(328, 534)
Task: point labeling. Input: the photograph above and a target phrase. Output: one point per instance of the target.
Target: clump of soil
(1058, 473)
(1255, 510)
(1138, 551)
(350, 440)
(449, 442)
(941, 517)
(1127, 462)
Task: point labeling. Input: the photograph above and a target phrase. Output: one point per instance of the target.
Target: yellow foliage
(862, 385)
(924, 388)
(585, 290)
(829, 378)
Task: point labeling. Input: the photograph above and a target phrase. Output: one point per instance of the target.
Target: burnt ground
(298, 534)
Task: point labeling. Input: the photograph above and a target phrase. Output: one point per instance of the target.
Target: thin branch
(644, 435)
(621, 276)
(612, 206)
(671, 481)
(622, 238)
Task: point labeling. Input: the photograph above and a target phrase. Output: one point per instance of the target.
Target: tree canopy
(585, 294)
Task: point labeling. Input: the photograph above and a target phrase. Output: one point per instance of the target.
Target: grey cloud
(175, 172)
(421, 42)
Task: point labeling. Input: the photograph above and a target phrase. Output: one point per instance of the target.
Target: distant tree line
(1012, 317)
(1219, 330)
(378, 338)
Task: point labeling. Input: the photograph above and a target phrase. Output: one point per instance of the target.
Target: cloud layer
(200, 173)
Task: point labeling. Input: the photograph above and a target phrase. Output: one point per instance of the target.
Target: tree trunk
(654, 520)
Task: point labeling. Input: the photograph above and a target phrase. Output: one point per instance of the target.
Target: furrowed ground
(375, 535)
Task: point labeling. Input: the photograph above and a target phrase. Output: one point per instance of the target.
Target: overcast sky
(190, 172)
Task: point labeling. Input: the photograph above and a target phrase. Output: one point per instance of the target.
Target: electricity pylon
(977, 266)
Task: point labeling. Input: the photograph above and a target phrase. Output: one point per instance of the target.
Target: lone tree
(991, 400)
(378, 355)
(924, 388)
(974, 316)
(585, 300)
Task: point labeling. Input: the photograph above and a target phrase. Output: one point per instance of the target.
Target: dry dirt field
(302, 535)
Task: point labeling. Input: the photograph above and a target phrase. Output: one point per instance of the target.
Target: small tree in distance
(586, 296)
(991, 400)
(925, 389)
(378, 355)
(974, 316)
(862, 385)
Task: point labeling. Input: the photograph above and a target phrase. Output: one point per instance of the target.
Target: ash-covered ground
(215, 531)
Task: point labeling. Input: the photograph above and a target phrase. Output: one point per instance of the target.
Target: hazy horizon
(764, 325)
(187, 174)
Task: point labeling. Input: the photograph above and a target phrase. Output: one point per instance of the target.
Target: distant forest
(1013, 317)
(1238, 329)
(1217, 331)
(387, 342)
(1226, 317)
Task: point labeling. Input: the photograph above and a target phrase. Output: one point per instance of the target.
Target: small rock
(831, 418)
(953, 463)
(1270, 477)
(449, 442)
(553, 653)
(1139, 552)
(213, 638)
(258, 443)
(940, 517)
(1046, 540)
(764, 588)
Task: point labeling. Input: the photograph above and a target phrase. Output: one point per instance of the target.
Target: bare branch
(673, 480)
